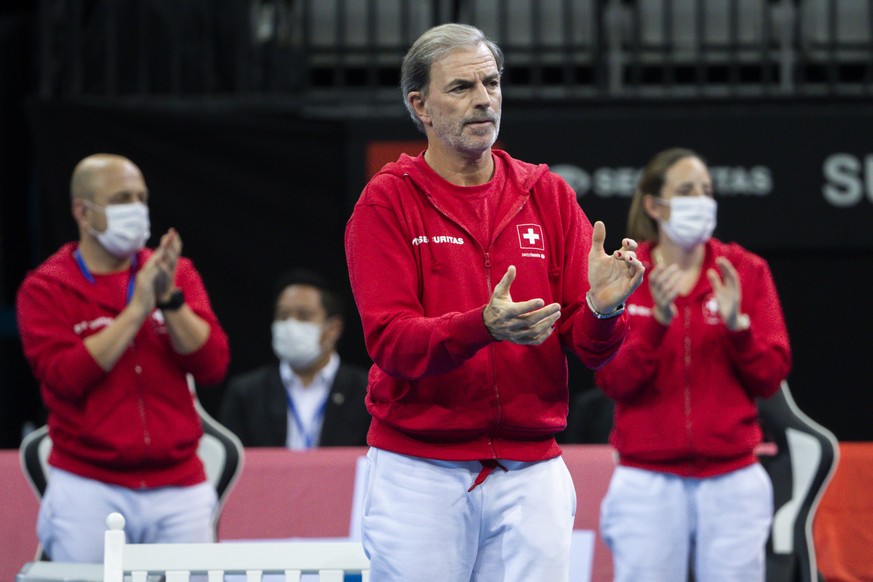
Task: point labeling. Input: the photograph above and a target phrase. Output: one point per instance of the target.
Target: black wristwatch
(176, 300)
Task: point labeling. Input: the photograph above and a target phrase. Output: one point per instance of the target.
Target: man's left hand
(612, 278)
(167, 256)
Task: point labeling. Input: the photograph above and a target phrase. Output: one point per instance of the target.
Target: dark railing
(351, 49)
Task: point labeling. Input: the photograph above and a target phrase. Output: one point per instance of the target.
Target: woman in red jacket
(706, 338)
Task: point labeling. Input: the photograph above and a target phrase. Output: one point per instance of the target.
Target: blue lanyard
(90, 278)
(309, 436)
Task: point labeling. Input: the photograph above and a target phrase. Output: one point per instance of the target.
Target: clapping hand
(728, 292)
(664, 286)
(156, 279)
(166, 256)
(525, 322)
(612, 278)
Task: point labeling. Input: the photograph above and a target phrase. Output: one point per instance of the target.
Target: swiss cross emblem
(530, 236)
(710, 311)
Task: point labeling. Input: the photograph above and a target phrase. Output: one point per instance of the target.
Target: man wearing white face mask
(707, 338)
(111, 330)
(311, 398)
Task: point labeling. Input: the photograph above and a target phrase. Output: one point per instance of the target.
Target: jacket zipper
(497, 231)
(686, 312)
(493, 358)
(140, 404)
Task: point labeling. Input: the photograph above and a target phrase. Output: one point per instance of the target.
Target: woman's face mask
(692, 220)
(297, 342)
(127, 228)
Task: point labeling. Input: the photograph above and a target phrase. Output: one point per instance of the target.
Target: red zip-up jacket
(441, 387)
(136, 425)
(685, 393)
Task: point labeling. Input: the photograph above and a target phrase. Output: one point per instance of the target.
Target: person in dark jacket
(310, 398)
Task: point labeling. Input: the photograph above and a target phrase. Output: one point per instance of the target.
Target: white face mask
(127, 228)
(692, 220)
(297, 342)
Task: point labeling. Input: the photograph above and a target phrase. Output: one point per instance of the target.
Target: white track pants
(657, 523)
(72, 515)
(421, 524)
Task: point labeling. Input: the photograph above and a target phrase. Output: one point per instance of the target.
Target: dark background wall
(20, 401)
(255, 189)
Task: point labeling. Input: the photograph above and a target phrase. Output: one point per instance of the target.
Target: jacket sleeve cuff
(741, 340)
(84, 367)
(471, 333)
(208, 364)
(603, 330)
(651, 331)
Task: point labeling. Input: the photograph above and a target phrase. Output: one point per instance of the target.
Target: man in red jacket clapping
(473, 272)
(111, 330)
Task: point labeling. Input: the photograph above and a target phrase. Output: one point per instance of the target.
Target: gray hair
(433, 45)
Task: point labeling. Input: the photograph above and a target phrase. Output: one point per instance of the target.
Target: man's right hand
(156, 279)
(526, 322)
(144, 297)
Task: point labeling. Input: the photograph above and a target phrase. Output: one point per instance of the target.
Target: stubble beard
(476, 140)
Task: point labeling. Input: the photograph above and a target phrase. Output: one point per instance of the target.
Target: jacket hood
(523, 174)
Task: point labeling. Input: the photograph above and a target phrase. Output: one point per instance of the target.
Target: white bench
(178, 562)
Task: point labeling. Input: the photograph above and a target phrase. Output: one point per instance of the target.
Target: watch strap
(176, 300)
